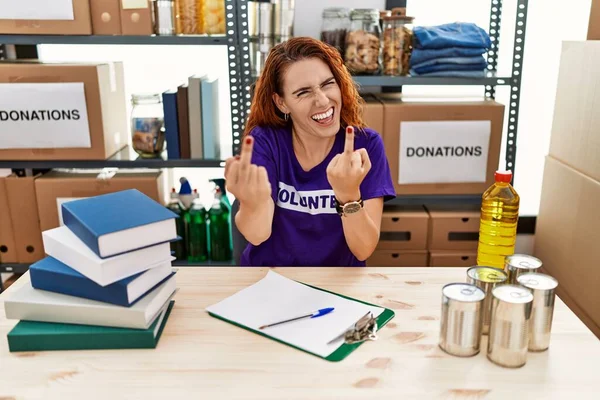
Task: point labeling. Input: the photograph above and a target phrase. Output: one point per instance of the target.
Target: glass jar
(147, 125)
(164, 17)
(382, 15)
(211, 17)
(363, 42)
(186, 22)
(334, 27)
(397, 42)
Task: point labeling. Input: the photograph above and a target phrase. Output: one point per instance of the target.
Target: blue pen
(315, 314)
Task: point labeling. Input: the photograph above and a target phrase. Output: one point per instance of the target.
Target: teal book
(46, 336)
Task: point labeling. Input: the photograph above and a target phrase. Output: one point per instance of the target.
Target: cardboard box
(594, 24)
(450, 258)
(442, 147)
(106, 17)
(567, 237)
(25, 219)
(403, 228)
(373, 113)
(392, 258)
(57, 187)
(581, 314)
(102, 100)
(136, 17)
(453, 227)
(8, 248)
(575, 140)
(79, 24)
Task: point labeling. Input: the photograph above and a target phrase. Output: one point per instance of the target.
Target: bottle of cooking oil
(498, 226)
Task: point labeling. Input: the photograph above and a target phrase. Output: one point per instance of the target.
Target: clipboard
(344, 350)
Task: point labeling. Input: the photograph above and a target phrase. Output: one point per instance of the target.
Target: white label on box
(43, 116)
(134, 4)
(37, 9)
(60, 201)
(443, 151)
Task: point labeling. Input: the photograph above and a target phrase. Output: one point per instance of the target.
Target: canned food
(486, 278)
(543, 289)
(460, 330)
(509, 328)
(518, 264)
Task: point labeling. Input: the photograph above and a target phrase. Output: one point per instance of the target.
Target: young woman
(311, 179)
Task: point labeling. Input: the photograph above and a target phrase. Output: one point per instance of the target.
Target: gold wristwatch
(348, 208)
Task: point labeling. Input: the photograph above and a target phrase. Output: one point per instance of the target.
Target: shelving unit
(240, 79)
(489, 80)
(197, 40)
(126, 158)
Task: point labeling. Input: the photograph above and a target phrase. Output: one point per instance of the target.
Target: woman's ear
(278, 100)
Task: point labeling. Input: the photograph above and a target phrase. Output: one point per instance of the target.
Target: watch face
(351, 208)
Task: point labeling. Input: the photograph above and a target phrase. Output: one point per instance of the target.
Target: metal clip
(364, 329)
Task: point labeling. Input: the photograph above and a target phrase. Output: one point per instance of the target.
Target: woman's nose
(321, 98)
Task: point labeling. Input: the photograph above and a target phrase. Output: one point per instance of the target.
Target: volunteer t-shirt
(307, 231)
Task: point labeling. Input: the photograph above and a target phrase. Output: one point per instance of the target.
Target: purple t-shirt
(307, 231)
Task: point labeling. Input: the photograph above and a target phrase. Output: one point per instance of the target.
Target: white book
(62, 244)
(148, 280)
(30, 304)
(211, 131)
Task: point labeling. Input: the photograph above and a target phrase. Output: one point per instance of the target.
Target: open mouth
(324, 118)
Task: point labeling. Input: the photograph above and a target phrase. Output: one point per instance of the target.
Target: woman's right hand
(249, 183)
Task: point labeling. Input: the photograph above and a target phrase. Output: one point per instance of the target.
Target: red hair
(264, 112)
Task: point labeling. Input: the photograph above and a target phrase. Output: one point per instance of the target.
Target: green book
(45, 336)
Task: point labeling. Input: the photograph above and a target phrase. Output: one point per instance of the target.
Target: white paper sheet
(43, 116)
(134, 4)
(443, 151)
(37, 9)
(275, 298)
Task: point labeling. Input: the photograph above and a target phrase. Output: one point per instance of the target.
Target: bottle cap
(503, 176)
(185, 188)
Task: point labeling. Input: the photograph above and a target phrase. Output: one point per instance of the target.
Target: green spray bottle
(179, 247)
(220, 182)
(219, 216)
(197, 230)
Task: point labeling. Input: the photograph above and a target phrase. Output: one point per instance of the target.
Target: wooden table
(201, 357)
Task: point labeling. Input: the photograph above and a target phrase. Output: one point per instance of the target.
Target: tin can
(543, 288)
(460, 328)
(486, 278)
(518, 264)
(509, 329)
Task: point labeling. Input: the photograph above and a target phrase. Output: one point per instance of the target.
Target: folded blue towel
(451, 67)
(456, 34)
(453, 74)
(451, 60)
(418, 56)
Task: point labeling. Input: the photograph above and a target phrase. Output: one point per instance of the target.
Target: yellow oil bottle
(498, 226)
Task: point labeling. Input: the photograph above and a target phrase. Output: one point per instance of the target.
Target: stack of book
(191, 111)
(107, 280)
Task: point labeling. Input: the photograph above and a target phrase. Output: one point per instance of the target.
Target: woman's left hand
(346, 171)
